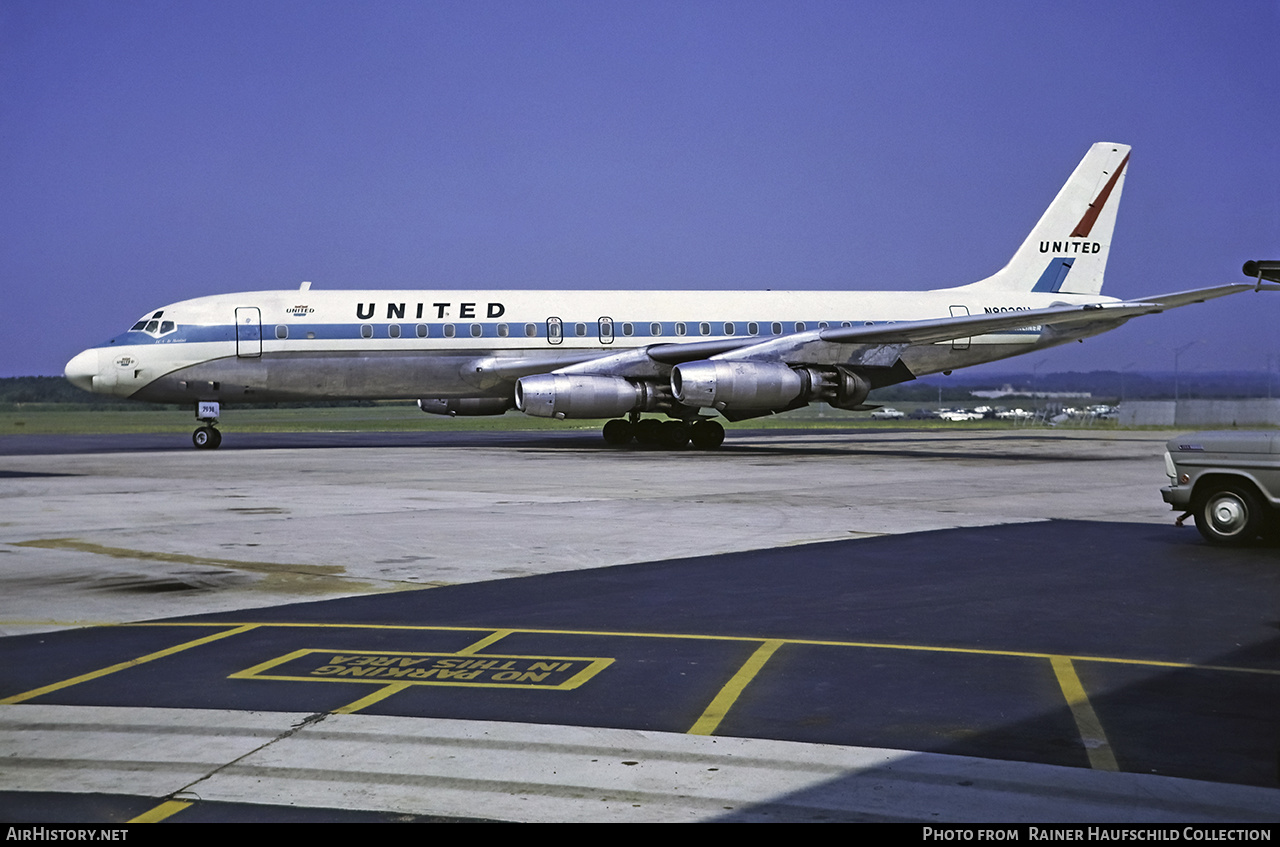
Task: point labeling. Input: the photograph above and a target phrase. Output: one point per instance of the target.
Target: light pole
(1124, 372)
(1176, 353)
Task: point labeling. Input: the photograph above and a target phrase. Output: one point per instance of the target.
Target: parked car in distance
(1228, 481)
(888, 413)
(959, 415)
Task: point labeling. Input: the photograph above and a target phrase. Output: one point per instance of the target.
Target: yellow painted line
(132, 663)
(164, 810)
(381, 694)
(1101, 757)
(485, 642)
(728, 695)
(872, 645)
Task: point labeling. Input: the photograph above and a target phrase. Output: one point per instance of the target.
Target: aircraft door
(960, 343)
(248, 332)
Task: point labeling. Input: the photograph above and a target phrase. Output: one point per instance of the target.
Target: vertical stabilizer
(1067, 250)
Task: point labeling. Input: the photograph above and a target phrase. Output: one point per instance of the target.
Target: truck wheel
(1229, 514)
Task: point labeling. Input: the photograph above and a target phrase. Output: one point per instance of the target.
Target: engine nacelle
(845, 389)
(466, 406)
(576, 396)
(725, 384)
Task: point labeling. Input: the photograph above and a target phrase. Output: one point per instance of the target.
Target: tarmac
(877, 625)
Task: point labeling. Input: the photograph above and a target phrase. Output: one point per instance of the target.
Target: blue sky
(155, 151)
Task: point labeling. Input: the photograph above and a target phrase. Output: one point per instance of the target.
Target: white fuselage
(308, 344)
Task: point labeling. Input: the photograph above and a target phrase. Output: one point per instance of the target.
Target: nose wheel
(206, 438)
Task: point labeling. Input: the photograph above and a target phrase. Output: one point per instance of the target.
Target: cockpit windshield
(153, 326)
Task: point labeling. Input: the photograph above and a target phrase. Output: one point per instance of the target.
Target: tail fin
(1067, 250)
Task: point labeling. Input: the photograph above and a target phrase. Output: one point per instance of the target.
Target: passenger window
(282, 331)
(366, 331)
(681, 329)
(628, 329)
(448, 331)
(799, 326)
(476, 330)
(776, 328)
(422, 330)
(393, 331)
(503, 331)
(530, 330)
(704, 328)
(753, 328)
(728, 328)
(580, 330)
(655, 329)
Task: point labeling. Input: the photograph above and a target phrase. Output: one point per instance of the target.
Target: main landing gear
(207, 437)
(703, 433)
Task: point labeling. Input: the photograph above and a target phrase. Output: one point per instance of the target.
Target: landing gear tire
(706, 435)
(674, 435)
(648, 431)
(1230, 515)
(618, 433)
(206, 438)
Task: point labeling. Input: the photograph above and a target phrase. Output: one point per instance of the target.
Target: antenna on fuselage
(306, 286)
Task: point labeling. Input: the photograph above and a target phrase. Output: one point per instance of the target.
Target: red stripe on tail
(1095, 208)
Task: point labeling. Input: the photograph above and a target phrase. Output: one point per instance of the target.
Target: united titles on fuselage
(396, 311)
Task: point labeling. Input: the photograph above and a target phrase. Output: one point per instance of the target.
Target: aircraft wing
(877, 345)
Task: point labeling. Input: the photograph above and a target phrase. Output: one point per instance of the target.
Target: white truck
(1228, 481)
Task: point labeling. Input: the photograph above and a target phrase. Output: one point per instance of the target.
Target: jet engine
(582, 396)
(465, 406)
(726, 384)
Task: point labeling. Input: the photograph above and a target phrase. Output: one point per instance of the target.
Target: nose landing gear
(207, 437)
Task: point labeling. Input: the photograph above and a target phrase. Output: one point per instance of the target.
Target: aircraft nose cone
(82, 368)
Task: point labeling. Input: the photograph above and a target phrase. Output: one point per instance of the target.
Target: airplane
(689, 356)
